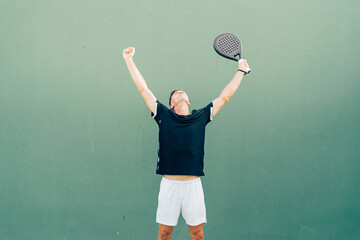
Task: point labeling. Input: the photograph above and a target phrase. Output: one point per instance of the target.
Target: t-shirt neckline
(190, 114)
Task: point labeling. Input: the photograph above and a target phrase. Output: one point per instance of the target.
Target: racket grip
(248, 70)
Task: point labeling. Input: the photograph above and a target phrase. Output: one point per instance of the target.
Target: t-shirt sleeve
(159, 110)
(208, 112)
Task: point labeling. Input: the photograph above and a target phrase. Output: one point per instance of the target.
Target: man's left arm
(230, 89)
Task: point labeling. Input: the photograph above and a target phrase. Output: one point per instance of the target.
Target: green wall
(78, 147)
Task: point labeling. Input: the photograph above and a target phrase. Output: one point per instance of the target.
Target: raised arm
(139, 81)
(230, 89)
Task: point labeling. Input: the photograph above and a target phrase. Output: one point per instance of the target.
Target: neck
(182, 108)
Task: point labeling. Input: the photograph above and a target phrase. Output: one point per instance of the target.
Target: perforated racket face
(228, 45)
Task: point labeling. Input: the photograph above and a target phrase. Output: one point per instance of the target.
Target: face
(179, 96)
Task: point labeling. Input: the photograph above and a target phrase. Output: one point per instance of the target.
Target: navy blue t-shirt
(181, 140)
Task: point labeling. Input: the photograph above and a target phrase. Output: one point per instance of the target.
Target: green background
(78, 146)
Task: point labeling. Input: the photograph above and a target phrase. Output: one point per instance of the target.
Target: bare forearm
(136, 75)
(231, 88)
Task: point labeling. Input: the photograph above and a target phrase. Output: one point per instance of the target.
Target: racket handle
(248, 70)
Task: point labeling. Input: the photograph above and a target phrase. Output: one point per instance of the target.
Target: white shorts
(184, 196)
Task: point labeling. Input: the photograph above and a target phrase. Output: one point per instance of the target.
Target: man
(181, 151)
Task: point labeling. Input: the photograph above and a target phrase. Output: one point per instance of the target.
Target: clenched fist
(243, 65)
(128, 53)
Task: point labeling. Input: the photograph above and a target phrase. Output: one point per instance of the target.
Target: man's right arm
(139, 81)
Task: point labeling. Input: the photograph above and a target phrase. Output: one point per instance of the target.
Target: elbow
(226, 98)
(142, 89)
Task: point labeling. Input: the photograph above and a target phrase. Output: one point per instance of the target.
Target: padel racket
(228, 45)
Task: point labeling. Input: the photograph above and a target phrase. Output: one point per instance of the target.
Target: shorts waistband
(179, 181)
